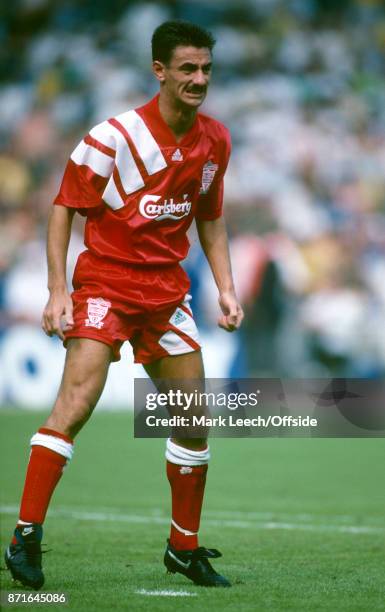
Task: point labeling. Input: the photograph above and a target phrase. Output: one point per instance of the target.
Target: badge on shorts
(208, 174)
(97, 310)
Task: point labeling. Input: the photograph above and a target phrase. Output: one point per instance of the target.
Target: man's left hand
(232, 312)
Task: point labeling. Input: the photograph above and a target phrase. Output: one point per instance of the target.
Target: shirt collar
(163, 133)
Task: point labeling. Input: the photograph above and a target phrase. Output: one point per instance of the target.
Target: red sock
(187, 489)
(44, 470)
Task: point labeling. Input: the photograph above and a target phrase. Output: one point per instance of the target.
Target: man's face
(186, 77)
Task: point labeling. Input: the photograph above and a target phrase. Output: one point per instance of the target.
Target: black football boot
(195, 565)
(23, 559)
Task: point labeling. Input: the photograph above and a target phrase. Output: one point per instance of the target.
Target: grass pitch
(300, 522)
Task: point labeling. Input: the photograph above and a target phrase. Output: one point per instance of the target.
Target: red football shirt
(140, 189)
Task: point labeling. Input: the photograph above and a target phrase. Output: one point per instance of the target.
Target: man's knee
(78, 396)
(84, 376)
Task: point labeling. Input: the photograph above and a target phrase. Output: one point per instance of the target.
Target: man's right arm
(59, 304)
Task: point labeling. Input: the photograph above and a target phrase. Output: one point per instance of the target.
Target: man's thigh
(183, 367)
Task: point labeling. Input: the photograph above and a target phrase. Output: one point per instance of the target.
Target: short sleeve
(210, 204)
(86, 175)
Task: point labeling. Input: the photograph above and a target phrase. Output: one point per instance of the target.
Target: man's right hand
(57, 316)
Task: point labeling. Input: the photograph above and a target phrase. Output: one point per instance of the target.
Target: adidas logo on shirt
(177, 155)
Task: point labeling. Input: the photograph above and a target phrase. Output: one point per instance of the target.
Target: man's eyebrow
(192, 66)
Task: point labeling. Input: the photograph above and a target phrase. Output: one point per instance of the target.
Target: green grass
(280, 510)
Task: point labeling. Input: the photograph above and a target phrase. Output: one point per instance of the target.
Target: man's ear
(158, 70)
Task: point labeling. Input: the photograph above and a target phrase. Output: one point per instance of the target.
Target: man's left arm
(213, 238)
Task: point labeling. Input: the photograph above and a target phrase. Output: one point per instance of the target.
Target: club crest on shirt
(97, 310)
(208, 174)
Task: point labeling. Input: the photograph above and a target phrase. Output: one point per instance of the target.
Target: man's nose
(200, 78)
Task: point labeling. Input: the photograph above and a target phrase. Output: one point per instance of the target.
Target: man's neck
(178, 118)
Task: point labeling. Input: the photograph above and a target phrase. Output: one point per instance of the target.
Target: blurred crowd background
(300, 84)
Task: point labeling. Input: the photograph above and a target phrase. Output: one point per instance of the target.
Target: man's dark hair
(172, 34)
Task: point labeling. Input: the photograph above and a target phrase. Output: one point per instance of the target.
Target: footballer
(140, 179)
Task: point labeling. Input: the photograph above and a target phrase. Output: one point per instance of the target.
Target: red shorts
(147, 305)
